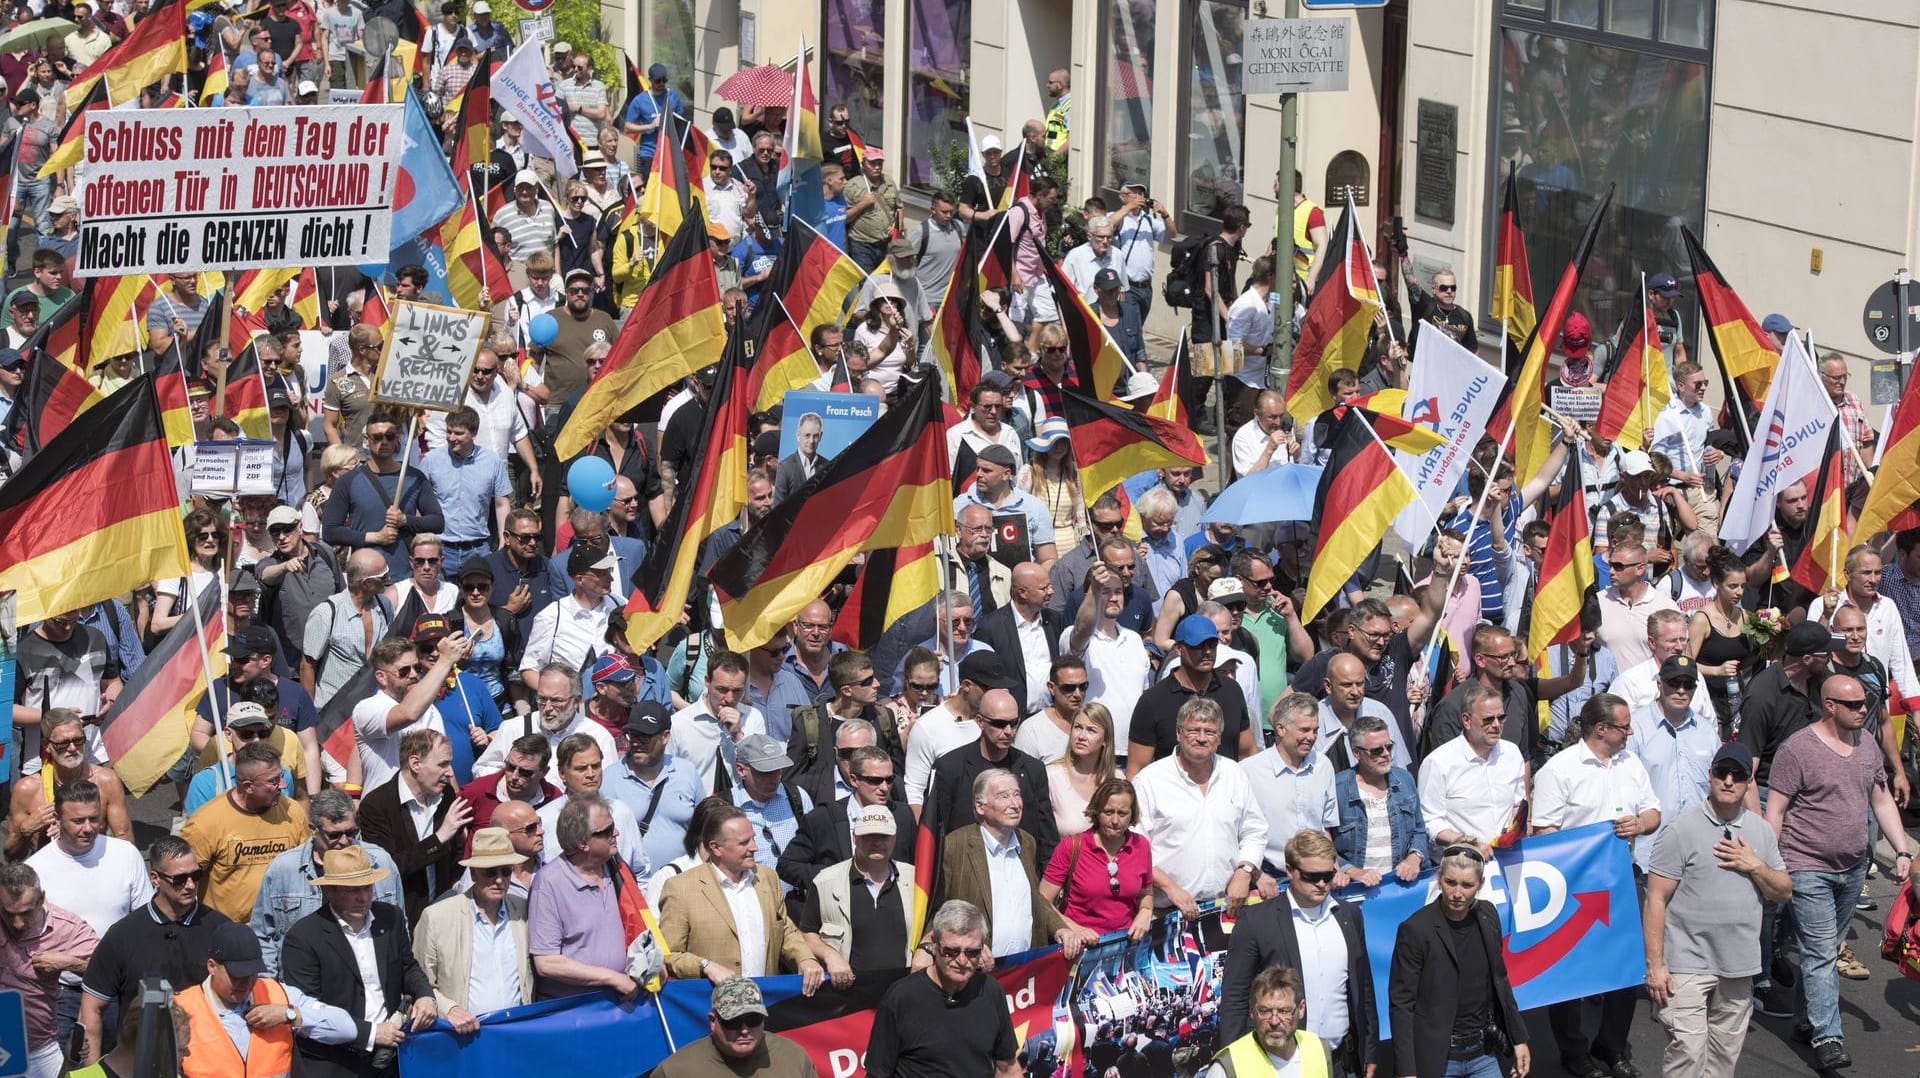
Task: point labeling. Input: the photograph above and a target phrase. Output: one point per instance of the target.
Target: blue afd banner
(577, 1036)
(1569, 914)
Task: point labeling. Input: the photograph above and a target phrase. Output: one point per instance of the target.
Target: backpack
(1901, 945)
(808, 720)
(1185, 266)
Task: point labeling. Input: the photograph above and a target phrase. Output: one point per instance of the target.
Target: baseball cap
(1679, 668)
(1809, 638)
(1773, 323)
(307, 87)
(478, 565)
(1635, 462)
(61, 205)
(1664, 284)
(1194, 630)
(1228, 590)
(283, 514)
(242, 579)
(578, 272)
(990, 142)
(483, 8)
(527, 176)
(237, 950)
(250, 641)
(614, 668)
(24, 298)
(732, 998)
(277, 398)
(657, 73)
(430, 630)
(718, 231)
(984, 669)
(561, 48)
(874, 820)
(584, 558)
(647, 718)
(873, 153)
(1134, 185)
(1576, 339)
(1736, 752)
(762, 753)
(248, 713)
(998, 454)
(11, 358)
(1106, 278)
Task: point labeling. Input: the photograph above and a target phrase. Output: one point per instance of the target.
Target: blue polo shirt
(645, 109)
(466, 487)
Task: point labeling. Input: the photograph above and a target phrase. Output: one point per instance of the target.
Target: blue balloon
(543, 329)
(589, 479)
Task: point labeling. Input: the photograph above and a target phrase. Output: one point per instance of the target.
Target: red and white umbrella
(768, 84)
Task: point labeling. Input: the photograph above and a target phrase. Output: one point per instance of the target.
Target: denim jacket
(287, 894)
(1409, 827)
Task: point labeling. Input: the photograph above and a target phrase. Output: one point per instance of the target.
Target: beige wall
(1448, 61)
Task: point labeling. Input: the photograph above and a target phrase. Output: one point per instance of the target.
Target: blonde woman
(1054, 479)
(335, 461)
(1089, 761)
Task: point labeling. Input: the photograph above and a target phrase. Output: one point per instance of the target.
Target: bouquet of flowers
(1763, 625)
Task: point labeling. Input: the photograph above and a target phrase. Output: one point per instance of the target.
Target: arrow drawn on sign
(1591, 908)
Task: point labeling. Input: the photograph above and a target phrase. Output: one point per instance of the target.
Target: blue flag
(425, 192)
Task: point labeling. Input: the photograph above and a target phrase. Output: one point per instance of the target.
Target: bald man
(1026, 636)
(949, 804)
(801, 680)
(1346, 700)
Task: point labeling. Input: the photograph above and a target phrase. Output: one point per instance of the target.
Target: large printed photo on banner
(1154, 1001)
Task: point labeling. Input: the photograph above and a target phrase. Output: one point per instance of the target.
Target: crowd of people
(438, 779)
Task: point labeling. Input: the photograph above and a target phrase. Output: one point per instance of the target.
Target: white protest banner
(1453, 391)
(233, 468)
(1578, 403)
(1789, 439)
(429, 354)
(524, 88)
(185, 190)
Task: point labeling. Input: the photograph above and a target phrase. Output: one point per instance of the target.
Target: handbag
(1073, 862)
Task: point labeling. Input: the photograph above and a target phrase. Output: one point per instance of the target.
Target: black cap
(646, 718)
(1809, 638)
(586, 556)
(478, 565)
(1107, 279)
(237, 949)
(984, 669)
(998, 454)
(250, 641)
(1737, 752)
(23, 298)
(1680, 668)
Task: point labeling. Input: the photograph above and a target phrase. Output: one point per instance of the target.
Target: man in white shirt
(404, 702)
(1264, 440)
(1118, 671)
(1596, 780)
(87, 873)
(1627, 602)
(1082, 263)
(1250, 321)
(985, 423)
(1472, 786)
(706, 732)
(576, 624)
(557, 716)
(1197, 810)
(1886, 633)
(1292, 784)
(950, 724)
(1639, 685)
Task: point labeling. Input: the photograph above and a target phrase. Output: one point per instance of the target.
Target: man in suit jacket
(798, 466)
(429, 865)
(975, 565)
(858, 912)
(826, 834)
(445, 943)
(1268, 934)
(697, 913)
(952, 797)
(319, 958)
(968, 862)
(1025, 634)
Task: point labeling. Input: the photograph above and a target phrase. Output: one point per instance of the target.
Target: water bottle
(383, 1054)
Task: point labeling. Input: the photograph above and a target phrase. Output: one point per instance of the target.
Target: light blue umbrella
(1282, 492)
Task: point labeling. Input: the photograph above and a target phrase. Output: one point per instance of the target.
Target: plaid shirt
(1859, 432)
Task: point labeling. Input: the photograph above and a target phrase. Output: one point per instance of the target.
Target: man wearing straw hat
(328, 954)
(473, 946)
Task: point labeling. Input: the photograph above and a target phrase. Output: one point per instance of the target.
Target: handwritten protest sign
(429, 354)
(183, 190)
(237, 467)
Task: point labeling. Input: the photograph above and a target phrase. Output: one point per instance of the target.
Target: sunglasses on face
(1377, 750)
(924, 686)
(335, 838)
(873, 780)
(278, 530)
(1070, 689)
(1730, 771)
(180, 879)
(1314, 877)
(1624, 566)
(69, 743)
(406, 670)
(1002, 724)
(971, 954)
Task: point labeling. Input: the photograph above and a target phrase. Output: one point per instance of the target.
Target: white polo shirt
(698, 737)
(379, 746)
(1473, 795)
(565, 631)
(1199, 835)
(1117, 674)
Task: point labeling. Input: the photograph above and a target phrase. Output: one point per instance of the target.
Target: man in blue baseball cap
(646, 115)
(1197, 643)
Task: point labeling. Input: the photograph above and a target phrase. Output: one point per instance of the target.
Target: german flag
(635, 85)
(251, 289)
(243, 397)
(1097, 362)
(893, 583)
(674, 188)
(62, 337)
(215, 81)
(472, 145)
(70, 148)
(155, 49)
(957, 344)
(333, 728)
(1819, 565)
(926, 876)
(1333, 336)
(95, 514)
(1746, 353)
(473, 271)
(1512, 278)
(170, 389)
(1516, 417)
(1566, 569)
(306, 298)
(1361, 491)
(1417, 438)
(716, 493)
(1166, 403)
(1638, 389)
(675, 330)
(115, 306)
(888, 489)
(811, 281)
(1893, 501)
(1112, 442)
(374, 312)
(377, 91)
(147, 729)
(53, 393)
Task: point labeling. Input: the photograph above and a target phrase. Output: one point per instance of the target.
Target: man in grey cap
(737, 1043)
(773, 806)
(993, 488)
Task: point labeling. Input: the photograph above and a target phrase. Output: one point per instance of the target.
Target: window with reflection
(1216, 114)
(1578, 111)
(939, 54)
(1126, 94)
(854, 73)
(670, 42)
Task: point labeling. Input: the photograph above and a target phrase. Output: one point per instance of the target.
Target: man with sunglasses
(408, 686)
(1676, 744)
(1500, 663)
(364, 512)
(952, 801)
(1714, 869)
(855, 687)
(295, 576)
(865, 777)
(954, 1019)
(1440, 307)
(1069, 570)
(737, 1044)
(238, 835)
(581, 325)
(247, 724)
(522, 779)
(286, 893)
(1825, 781)
(521, 570)
(1597, 780)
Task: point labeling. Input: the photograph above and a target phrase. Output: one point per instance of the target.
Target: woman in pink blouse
(1106, 873)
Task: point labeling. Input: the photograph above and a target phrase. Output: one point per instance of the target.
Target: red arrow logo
(1590, 908)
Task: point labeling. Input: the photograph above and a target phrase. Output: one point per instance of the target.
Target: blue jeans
(1822, 904)
(33, 197)
(454, 555)
(1477, 1067)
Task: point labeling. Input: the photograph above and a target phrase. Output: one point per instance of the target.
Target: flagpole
(224, 767)
(485, 288)
(1378, 290)
(1466, 539)
(1646, 373)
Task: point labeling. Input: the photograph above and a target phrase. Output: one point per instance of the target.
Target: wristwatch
(293, 1016)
